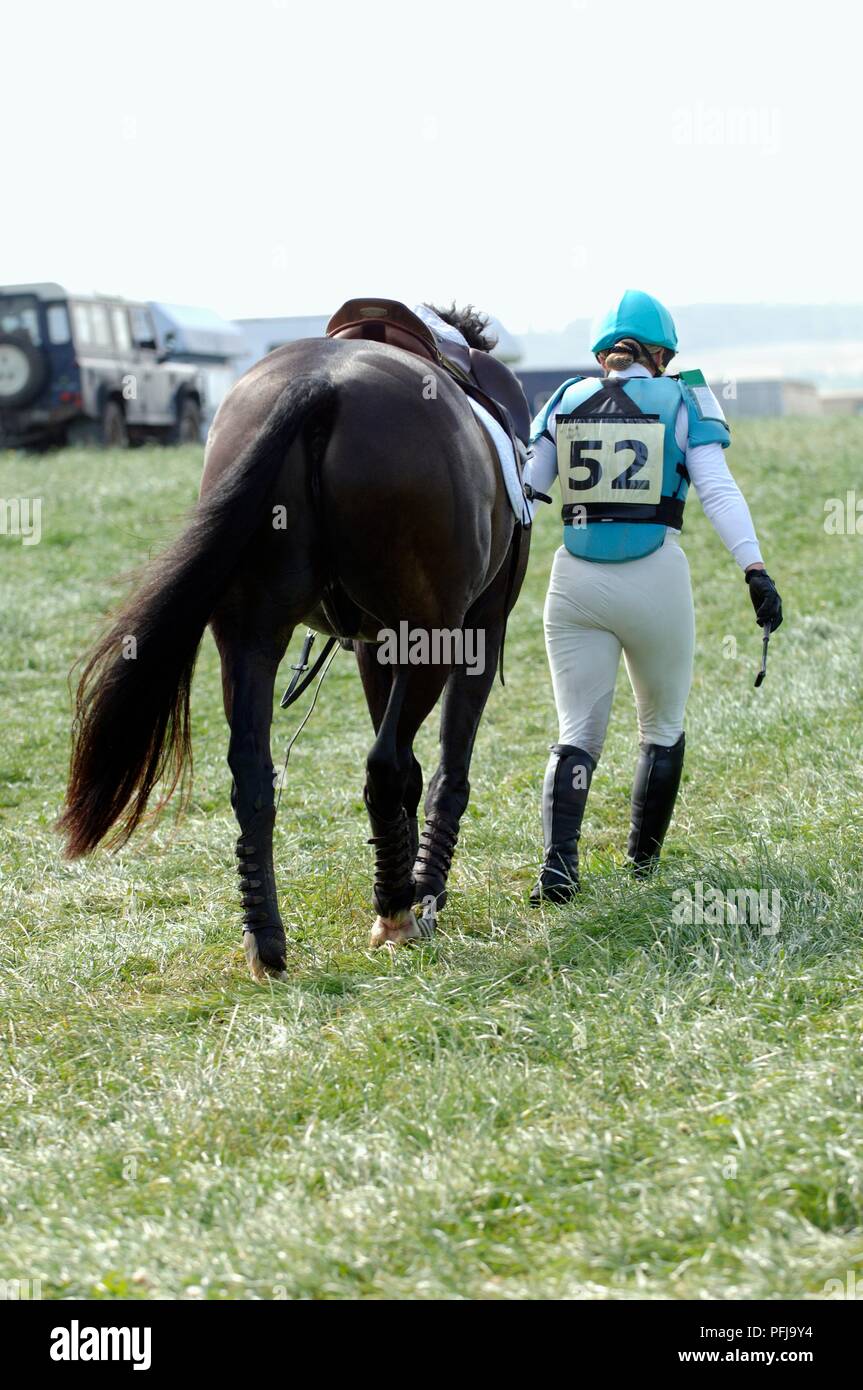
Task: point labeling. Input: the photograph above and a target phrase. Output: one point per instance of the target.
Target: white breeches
(642, 608)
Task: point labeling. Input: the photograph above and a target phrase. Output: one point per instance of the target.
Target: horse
(347, 485)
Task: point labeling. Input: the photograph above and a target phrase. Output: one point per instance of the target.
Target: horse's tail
(132, 703)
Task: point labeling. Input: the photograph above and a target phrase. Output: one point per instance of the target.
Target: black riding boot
(564, 797)
(657, 778)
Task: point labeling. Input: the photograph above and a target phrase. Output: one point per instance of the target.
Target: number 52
(580, 458)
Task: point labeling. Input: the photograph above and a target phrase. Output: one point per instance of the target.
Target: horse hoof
(265, 954)
(402, 929)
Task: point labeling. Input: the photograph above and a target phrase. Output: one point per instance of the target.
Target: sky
(269, 157)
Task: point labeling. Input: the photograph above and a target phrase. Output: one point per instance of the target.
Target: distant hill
(822, 343)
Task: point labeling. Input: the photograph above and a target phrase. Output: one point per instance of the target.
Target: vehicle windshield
(19, 314)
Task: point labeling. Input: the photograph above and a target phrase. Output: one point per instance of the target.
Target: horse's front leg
(464, 700)
(389, 768)
(248, 681)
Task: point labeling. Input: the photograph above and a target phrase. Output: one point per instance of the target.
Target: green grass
(584, 1102)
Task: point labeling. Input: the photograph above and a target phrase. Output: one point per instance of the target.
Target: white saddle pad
(508, 467)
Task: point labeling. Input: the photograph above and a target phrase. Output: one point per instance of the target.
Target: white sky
(279, 156)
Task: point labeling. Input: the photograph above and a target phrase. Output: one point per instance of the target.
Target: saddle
(478, 374)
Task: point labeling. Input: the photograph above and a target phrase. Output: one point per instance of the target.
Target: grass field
(590, 1102)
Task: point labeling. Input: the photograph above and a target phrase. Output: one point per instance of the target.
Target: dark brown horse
(347, 485)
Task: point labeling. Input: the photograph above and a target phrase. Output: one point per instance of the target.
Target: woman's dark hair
(628, 350)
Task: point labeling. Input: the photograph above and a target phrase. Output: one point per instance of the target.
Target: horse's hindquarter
(283, 573)
(252, 398)
(412, 518)
(416, 515)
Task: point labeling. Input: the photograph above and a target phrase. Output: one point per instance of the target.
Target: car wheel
(83, 433)
(115, 434)
(188, 428)
(22, 371)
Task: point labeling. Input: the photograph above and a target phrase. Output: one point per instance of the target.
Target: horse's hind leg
(248, 680)
(413, 693)
(377, 680)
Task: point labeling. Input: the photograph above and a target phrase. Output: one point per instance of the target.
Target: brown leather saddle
(480, 375)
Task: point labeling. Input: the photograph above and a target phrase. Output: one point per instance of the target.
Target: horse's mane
(472, 324)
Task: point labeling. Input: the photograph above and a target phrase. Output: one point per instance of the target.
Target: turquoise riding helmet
(635, 315)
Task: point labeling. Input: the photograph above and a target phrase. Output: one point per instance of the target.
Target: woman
(626, 449)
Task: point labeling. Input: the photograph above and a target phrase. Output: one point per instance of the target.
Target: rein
(296, 688)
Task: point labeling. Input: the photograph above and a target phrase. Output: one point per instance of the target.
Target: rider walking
(626, 450)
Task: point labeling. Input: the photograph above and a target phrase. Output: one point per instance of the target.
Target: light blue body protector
(598, 532)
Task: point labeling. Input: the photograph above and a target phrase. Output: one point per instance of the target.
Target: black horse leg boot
(657, 778)
(564, 797)
(265, 934)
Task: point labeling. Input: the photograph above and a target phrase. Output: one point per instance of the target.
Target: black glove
(765, 599)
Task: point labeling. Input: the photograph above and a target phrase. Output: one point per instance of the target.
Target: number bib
(609, 461)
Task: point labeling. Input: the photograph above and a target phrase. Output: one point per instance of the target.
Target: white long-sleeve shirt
(723, 502)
